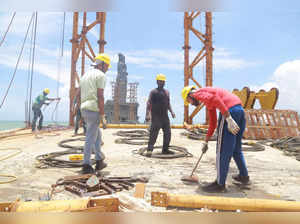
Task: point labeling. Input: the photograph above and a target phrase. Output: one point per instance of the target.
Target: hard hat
(47, 91)
(185, 92)
(161, 77)
(102, 57)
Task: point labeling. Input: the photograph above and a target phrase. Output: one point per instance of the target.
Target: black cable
(178, 152)
(18, 61)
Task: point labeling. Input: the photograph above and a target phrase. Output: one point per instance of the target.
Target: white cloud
(287, 79)
(174, 59)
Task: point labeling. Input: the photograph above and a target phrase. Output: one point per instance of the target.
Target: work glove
(205, 148)
(103, 121)
(232, 125)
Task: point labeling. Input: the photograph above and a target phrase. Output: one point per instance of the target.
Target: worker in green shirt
(39, 101)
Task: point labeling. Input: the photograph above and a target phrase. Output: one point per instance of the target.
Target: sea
(8, 125)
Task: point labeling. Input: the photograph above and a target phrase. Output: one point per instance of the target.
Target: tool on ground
(76, 157)
(193, 178)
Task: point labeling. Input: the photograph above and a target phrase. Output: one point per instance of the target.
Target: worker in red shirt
(231, 126)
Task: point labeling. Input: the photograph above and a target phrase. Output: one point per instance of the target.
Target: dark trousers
(77, 122)
(37, 113)
(157, 124)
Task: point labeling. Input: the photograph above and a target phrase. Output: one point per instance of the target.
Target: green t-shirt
(39, 101)
(89, 83)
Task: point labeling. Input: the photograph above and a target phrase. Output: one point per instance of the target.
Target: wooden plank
(139, 190)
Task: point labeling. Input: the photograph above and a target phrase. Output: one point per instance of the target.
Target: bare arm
(169, 105)
(149, 105)
(100, 96)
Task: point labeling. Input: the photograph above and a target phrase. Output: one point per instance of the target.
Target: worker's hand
(232, 125)
(187, 126)
(103, 121)
(205, 147)
(148, 118)
(173, 114)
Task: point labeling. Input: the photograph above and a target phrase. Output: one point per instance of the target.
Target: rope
(11, 81)
(133, 133)
(289, 145)
(132, 141)
(3, 38)
(51, 159)
(14, 178)
(134, 137)
(179, 152)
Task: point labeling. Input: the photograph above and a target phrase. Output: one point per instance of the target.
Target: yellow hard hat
(161, 77)
(47, 91)
(185, 92)
(102, 57)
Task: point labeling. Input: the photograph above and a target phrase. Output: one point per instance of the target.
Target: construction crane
(80, 41)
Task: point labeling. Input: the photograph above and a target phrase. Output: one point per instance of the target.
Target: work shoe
(87, 169)
(149, 153)
(100, 165)
(242, 179)
(167, 152)
(214, 188)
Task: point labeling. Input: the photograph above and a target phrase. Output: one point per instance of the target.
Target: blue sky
(255, 47)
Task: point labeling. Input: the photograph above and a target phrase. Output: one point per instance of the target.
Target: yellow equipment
(47, 91)
(185, 92)
(103, 57)
(161, 77)
(76, 157)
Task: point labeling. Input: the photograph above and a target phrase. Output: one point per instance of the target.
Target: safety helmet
(46, 90)
(102, 57)
(161, 77)
(185, 92)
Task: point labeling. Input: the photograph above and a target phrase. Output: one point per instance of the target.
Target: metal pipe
(223, 203)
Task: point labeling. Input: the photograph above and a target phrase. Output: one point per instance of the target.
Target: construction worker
(91, 95)
(158, 106)
(78, 117)
(39, 101)
(231, 126)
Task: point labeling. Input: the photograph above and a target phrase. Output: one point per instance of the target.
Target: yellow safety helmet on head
(102, 57)
(185, 92)
(161, 77)
(47, 91)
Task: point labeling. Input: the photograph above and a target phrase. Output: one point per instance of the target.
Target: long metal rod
(9, 25)
(32, 65)
(16, 68)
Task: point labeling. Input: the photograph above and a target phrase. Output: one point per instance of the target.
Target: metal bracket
(159, 199)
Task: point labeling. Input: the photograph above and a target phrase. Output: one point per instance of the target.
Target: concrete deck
(273, 175)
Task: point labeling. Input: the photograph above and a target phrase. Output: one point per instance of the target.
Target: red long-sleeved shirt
(215, 98)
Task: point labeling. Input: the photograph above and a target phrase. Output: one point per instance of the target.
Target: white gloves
(232, 125)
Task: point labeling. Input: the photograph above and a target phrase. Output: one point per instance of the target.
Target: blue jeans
(37, 113)
(93, 136)
(229, 145)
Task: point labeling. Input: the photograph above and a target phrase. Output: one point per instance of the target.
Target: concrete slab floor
(273, 175)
